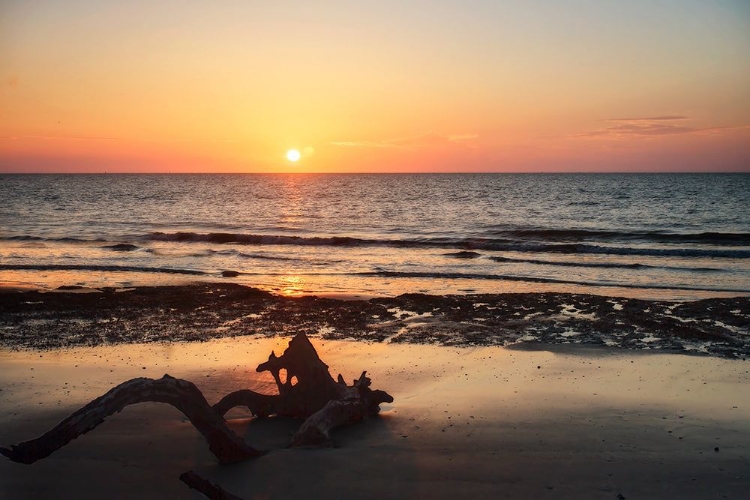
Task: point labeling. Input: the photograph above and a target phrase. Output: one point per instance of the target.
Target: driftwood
(308, 391)
(353, 404)
(306, 388)
(209, 489)
(227, 446)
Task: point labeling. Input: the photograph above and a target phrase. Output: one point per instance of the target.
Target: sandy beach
(484, 422)
(355, 250)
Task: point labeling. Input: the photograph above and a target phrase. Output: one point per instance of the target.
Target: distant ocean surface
(672, 236)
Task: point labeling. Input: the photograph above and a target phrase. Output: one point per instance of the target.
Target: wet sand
(485, 422)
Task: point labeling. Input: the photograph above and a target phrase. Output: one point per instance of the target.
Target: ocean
(660, 236)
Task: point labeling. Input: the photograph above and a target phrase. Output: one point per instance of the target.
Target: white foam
(572, 311)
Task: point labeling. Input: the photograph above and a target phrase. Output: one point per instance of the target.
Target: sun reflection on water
(292, 286)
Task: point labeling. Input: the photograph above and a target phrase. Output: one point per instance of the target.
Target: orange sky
(369, 87)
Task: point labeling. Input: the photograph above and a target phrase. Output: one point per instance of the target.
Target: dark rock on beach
(230, 274)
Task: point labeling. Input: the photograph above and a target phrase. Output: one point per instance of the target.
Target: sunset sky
(386, 86)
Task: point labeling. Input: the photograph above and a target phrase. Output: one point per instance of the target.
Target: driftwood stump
(307, 392)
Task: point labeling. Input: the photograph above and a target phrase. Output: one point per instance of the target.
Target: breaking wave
(491, 244)
(108, 268)
(709, 238)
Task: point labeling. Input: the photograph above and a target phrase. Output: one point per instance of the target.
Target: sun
(293, 155)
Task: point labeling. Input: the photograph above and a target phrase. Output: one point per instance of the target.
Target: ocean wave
(63, 239)
(88, 267)
(711, 238)
(121, 247)
(264, 239)
(535, 279)
(491, 244)
(654, 252)
(612, 265)
(706, 245)
(263, 257)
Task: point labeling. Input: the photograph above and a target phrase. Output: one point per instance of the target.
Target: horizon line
(514, 172)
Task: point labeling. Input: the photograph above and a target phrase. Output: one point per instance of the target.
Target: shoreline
(21, 287)
(203, 311)
(300, 283)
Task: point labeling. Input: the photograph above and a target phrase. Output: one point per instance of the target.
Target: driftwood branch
(316, 430)
(211, 490)
(261, 405)
(183, 395)
(358, 402)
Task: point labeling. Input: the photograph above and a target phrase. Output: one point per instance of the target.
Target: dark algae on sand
(198, 312)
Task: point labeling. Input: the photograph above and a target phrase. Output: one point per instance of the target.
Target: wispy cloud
(660, 118)
(424, 140)
(94, 138)
(362, 144)
(651, 126)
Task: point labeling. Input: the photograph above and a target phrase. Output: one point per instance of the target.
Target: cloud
(649, 118)
(94, 138)
(362, 144)
(462, 137)
(424, 140)
(652, 126)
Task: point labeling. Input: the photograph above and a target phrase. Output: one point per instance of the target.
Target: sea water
(676, 236)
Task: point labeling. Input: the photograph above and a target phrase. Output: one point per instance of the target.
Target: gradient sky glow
(365, 86)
